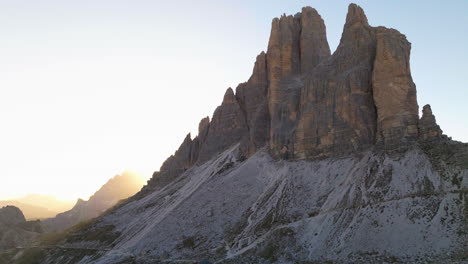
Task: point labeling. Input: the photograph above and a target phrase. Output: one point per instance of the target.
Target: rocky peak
(229, 96)
(203, 128)
(355, 15)
(303, 103)
(227, 127)
(313, 40)
(259, 74)
(428, 128)
(11, 215)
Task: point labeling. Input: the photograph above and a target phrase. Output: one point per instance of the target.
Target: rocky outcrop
(394, 90)
(303, 103)
(313, 40)
(227, 127)
(252, 97)
(428, 128)
(337, 109)
(11, 215)
(15, 231)
(177, 163)
(295, 42)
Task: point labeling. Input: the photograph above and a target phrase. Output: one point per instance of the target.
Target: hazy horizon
(90, 89)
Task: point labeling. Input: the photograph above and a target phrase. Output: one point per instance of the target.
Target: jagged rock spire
(355, 15)
(428, 128)
(305, 103)
(313, 40)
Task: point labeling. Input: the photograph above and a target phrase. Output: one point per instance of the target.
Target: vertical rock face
(295, 42)
(227, 127)
(252, 97)
(176, 164)
(337, 108)
(313, 40)
(394, 90)
(428, 128)
(304, 103)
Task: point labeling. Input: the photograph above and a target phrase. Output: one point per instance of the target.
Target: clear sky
(91, 88)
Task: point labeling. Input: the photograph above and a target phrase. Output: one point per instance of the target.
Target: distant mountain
(31, 212)
(116, 189)
(38, 206)
(47, 201)
(15, 231)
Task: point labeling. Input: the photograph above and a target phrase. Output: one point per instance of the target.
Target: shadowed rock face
(227, 127)
(11, 215)
(428, 128)
(303, 103)
(295, 42)
(337, 108)
(252, 97)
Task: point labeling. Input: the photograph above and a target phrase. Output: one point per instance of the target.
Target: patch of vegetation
(231, 232)
(33, 226)
(104, 234)
(221, 251)
(450, 152)
(31, 256)
(391, 259)
(188, 242)
(269, 252)
(313, 214)
(88, 230)
(225, 167)
(7, 256)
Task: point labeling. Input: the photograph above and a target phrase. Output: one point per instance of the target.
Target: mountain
(46, 201)
(116, 189)
(317, 158)
(15, 231)
(31, 212)
(38, 206)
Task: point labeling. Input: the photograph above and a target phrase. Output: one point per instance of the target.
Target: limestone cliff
(303, 102)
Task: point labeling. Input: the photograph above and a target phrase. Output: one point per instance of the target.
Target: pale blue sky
(90, 88)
